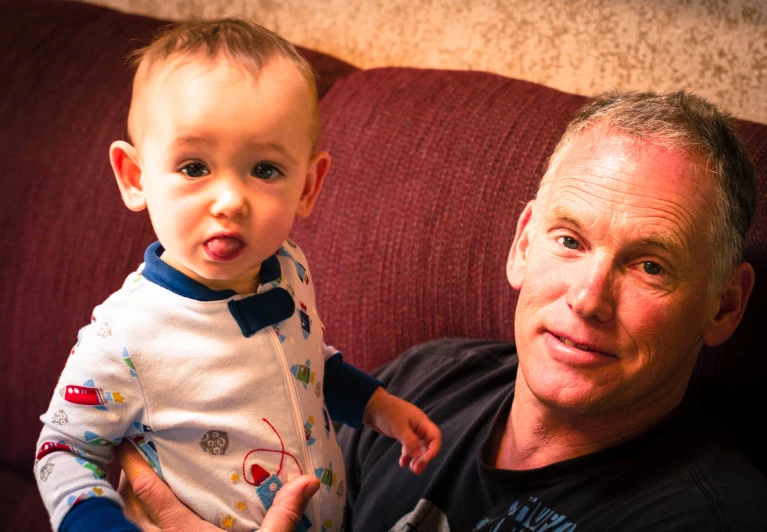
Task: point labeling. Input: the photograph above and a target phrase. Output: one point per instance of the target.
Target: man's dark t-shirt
(681, 475)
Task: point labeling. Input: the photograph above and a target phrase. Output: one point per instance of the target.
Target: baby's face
(224, 159)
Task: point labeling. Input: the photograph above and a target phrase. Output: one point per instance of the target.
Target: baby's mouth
(224, 247)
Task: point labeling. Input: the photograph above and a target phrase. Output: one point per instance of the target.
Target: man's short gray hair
(687, 123)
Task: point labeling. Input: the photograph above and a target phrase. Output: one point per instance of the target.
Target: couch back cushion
(409, 239)
(68, 241)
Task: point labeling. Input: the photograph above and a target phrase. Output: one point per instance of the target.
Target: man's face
(612, 268)
(225, 158)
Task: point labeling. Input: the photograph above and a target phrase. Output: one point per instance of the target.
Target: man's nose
(230, 199)
(592, 292)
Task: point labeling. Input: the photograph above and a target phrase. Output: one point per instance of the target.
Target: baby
(210, 359)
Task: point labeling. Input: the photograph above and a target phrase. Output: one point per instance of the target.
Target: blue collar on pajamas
(252, 313)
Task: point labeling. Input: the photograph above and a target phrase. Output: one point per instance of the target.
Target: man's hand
(403, 421)
(151, 504)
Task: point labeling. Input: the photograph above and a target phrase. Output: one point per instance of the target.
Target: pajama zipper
(297, 417)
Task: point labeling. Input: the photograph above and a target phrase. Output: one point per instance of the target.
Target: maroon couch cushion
(409, 239)
(68, 241)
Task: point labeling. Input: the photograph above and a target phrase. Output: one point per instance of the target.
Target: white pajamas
(222, 393)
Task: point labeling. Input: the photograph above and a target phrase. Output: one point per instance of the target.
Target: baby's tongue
(224, 246)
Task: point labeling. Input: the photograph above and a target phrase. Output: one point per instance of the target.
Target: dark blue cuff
(347, 391)
(97, 514)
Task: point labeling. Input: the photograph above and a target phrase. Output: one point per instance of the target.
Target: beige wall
(716, 48)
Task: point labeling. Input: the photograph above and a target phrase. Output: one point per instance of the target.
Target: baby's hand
(403, 421)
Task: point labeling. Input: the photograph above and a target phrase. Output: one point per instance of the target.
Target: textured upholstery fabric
(68, 241)
(407, 243)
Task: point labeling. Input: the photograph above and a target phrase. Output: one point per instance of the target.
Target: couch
(408, 241)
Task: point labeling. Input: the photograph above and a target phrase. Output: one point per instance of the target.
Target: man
(628, 261)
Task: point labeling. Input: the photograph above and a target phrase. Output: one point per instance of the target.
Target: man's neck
(535, 435)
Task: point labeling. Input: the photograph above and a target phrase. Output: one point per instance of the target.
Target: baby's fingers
(418, 456)
(431, 440)
(413, 459)
(412, 448)
(404, 460)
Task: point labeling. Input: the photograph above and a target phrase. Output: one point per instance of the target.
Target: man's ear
(515, 266)
(315, 176)
(731, 305)
(125, 164)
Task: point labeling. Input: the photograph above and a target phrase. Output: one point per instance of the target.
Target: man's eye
(569, 242)
(195, 170)
(265, 171)
(652, 268)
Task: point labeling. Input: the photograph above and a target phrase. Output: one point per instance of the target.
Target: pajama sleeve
(347, 389)
(95, 404)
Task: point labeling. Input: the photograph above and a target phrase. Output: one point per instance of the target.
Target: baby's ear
(315, 176)
(125, 164)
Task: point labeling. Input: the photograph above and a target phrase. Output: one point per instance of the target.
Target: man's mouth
(569, 342)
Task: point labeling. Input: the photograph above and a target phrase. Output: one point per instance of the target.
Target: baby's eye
(652, 268)
(569, 242)
(265, 171)
(195, 170)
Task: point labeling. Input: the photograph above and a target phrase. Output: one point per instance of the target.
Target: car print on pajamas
(89, 395)
(49, 447)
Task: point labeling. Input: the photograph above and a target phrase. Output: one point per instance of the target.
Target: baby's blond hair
(236, 39)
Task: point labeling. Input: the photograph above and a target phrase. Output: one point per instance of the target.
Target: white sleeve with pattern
(95, 404)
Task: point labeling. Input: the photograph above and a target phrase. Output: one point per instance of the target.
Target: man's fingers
(145, 486)
(153, 496)
(131, 461)
(289, 504)
(134, 510)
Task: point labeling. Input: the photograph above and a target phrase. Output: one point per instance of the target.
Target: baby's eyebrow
(199, 139)
(191, 139)
(279, 148)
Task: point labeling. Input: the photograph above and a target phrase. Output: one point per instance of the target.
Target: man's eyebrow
(563, 215)
(665, 242)
(668, 243)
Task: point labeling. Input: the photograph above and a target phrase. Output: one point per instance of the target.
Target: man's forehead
(604, 157)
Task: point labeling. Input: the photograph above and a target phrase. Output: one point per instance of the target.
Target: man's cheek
(651, 324)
